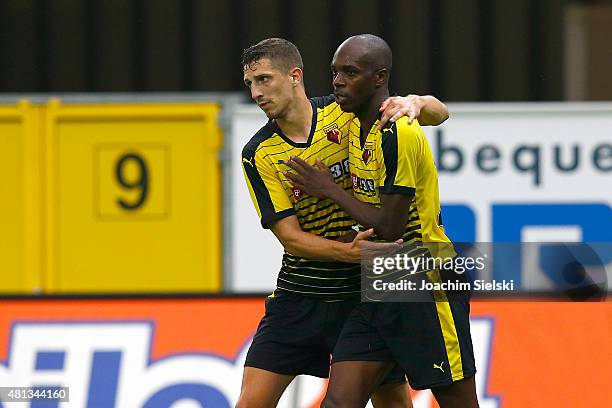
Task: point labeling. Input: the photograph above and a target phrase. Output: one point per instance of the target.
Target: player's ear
(382, 76)
(296, 75)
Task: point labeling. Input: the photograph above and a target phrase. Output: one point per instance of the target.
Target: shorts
(298, 334)
(430, 340)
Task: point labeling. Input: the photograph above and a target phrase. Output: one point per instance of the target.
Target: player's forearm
(365, 214)
(386, 224)
(433, 111)
(310, 246)
(307, 245)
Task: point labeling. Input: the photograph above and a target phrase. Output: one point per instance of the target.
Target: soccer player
(395, 191)
(318, 284)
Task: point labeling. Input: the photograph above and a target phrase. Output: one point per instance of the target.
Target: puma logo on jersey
(439, 366)
(245, 160)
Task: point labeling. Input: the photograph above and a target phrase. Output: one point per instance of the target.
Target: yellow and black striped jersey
(263, 161)
(398, 160)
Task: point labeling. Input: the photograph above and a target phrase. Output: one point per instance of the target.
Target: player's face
(270, 88)
(354, 83)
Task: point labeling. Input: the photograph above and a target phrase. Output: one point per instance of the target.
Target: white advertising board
(508, 173)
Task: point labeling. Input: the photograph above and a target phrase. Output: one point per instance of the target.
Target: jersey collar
(313, 126)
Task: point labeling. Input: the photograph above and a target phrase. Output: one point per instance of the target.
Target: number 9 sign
(134, 198)
(141, 183)
(132, 181)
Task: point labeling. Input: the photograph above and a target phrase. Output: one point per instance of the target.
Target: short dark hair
(282, 53)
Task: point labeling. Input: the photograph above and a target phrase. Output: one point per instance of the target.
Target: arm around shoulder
(433, 111)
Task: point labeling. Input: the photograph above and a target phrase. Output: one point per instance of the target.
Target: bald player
(395, 192)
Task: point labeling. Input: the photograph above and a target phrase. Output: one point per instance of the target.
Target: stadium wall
(473, 50)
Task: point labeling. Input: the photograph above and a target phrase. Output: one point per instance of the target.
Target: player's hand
(397, 106)
(360, 249)
(315, 180)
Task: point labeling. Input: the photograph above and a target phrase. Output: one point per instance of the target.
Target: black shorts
(430, 340)
(298, 334)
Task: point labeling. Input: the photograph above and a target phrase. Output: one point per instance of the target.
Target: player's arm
(388, 220)
(429, 110)
(276, 212)
(307, 245)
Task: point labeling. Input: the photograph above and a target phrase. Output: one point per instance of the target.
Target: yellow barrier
(133, 198)
(20, 241)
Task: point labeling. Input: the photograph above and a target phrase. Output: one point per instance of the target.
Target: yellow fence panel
(20, 240)
(134, 197)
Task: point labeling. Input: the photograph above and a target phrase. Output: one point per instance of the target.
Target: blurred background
(134, 268)
(471, 50)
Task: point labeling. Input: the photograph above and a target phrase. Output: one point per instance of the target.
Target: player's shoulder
(322, 102)
(402, 129)
(403, 126)
(328, 110)
(266, 132)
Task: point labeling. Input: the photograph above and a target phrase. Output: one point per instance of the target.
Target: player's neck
(370, 112)
(296, 122)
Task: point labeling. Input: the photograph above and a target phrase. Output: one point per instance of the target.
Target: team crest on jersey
(297, 193)
(332, 132)
(367, 153)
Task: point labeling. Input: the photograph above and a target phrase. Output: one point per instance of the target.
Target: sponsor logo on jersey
(362, 184)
